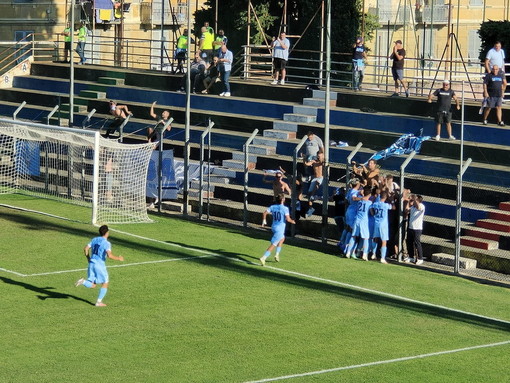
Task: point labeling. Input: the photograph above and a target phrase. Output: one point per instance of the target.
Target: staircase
(489, 233)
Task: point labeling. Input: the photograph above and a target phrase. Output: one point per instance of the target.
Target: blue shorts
(398, 74)
(360, 229)
(381, 231)
(278, 235)
(97, 272)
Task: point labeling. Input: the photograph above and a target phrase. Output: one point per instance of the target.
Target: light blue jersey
(350, 213)
(279, 213)
(360, 227)
(381, 220)
(97, 272)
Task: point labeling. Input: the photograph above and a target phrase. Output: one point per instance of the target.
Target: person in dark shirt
(444, 104)
(494, 85)
(397, 69)
(359, 53)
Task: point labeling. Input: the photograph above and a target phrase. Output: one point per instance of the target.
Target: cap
(446, 82)
(398, 42)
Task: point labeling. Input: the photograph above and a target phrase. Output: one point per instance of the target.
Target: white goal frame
(119, 168)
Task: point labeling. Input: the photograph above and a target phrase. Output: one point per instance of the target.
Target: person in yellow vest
(181, 51)
(80, 46)
(206, 44)
(67, 42)
(219, 41)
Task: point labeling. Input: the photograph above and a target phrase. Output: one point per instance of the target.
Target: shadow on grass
(236, 262)
(230, 261)
(43, 293)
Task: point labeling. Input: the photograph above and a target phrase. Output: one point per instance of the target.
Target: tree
(492, 31)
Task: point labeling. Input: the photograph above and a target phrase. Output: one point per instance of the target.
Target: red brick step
(478, 233)
(504, 206)
(500, 216)
(494, 225)
(479, 243)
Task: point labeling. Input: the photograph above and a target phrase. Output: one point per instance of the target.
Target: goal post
(75, 166)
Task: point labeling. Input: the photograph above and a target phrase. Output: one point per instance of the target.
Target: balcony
(174, 17)
(426, 14)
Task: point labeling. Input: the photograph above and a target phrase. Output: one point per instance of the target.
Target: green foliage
(262, 23)
(492, 31)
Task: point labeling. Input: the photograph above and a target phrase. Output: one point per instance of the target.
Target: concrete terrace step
(494, 225)
(262, 149)
(479, 243)
(265, 141)
(287, 126)
(111, 81)
(317, 102)
(235, 164)
(239, 156)
(279, 134)
(92, 94)
(449, 260)
(307, 110)
(224, 172)
(322, 94)
(298, 118)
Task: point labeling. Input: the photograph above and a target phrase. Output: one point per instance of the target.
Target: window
(474, 44)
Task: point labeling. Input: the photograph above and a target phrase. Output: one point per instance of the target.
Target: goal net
(75, 166)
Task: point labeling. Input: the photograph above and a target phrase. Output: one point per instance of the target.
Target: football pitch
(190, 303)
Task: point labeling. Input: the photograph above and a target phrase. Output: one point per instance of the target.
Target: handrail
(18, 109)
(207, 132)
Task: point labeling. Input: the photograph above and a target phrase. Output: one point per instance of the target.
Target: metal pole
(325, 168)
(51, 114)
(293, 197)
(321, 52)
(349, 159)
(246, 148)
(187, 120)
(401, 203)
(71, 69)
(207, 132)
(163, 33)
(22, 105)
(121, 127)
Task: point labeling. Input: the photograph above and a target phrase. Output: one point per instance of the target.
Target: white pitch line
(117, 265)
(380, 362)
(13, 272)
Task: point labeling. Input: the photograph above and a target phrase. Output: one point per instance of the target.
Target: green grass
(202, 318)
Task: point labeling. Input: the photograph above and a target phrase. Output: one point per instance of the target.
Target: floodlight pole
(185, 191)
(71, 69)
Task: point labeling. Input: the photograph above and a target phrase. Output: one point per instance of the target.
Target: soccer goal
(75, 166)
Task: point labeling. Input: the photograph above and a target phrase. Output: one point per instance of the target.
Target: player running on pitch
(281, 216)
(97, 273)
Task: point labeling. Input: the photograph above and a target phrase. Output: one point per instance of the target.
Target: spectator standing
(359, 54)
(397, 68)
(219, 41)
(340, 201)
(225, 60)
(181, 51)
(154, 133)
(495, 56)
(206, 43)
(80, 46)
(280, 48)
(416, 211)
(281, 216)
(444, 104)
(312, 146)
(494, 86)
(67, 42)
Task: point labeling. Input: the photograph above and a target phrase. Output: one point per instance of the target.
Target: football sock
(343, 237)
(278, 249)
(88, 284)
(267, 254)
(350, 246)
(374, 247)
(365, 246)
(102, 293)
(383, 252)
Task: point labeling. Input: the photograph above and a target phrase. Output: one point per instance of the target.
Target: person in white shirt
(495, 56)
(416, 210)
(280, 47)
